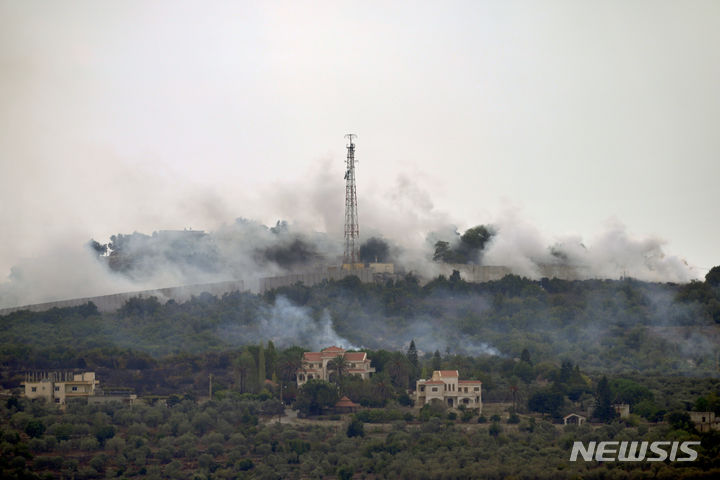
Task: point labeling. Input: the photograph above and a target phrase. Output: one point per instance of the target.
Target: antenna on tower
(352, 231)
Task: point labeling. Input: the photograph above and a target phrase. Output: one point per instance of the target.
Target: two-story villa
(59, 387)
(315, 365)
(445, 386)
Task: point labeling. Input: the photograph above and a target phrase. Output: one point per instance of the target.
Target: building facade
(705, 421)
(59, 387)
(445, 386)
(315, 365)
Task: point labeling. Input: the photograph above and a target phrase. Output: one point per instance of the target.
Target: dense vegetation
(233, 438)
(542, 349)
(602, 325)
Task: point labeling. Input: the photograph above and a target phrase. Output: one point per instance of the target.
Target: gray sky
(565, 115)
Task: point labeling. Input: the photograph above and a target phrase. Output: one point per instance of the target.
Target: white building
(445, 386)
(315, 365)
(59, 387)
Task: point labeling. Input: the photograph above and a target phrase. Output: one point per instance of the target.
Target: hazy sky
(121, 116)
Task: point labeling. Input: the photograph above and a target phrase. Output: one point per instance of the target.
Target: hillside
(602, 325)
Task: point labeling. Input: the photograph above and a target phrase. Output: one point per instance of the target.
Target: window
(57, 389)
(33, 389)
(422, 388)
(477, 389)
(434, 389)
(74, 389)
(57, 400)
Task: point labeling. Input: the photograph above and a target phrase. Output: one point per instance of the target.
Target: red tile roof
(356, 356)
(346, 402)
(469, 381)
(448, 373)
(332, 349)
(313, 356)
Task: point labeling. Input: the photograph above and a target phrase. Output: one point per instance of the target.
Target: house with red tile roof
(315, 365)
(345, 405)
(445, 386)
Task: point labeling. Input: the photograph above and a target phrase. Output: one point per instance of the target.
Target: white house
(315, 364)
(445, 386)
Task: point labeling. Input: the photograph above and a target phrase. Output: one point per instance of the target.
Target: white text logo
(634, 451)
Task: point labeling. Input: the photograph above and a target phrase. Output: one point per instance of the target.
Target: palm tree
(288, 368)
(339, 366)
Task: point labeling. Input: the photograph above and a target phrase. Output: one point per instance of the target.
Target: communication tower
(352, 231)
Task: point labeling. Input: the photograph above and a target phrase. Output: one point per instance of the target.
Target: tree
(442, 251)
(246, 371)
(549, 400)
(604, 410)
(713, 277)
(104, 433)
(628, 391)
(475, 238)
(495, 429)
(412, 357)
(288, 368)
(35, 428)
(680, 421)
(271, 359)
(314, 396)
(97, 247)
(437, 361)
(356, 428)
(525, 356)
(524, 371)
(399, 370)
(261, 367)
(339, 366)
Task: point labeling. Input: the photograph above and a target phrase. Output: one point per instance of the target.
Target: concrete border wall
(110, 303)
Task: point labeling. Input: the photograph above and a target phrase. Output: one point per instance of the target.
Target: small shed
(574, 419)
(345, 405)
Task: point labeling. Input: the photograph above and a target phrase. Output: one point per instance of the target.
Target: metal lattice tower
(352, 231)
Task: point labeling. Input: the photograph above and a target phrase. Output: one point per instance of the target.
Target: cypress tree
(437, 361)
(412, 357)
(261, 367)
(604, 410)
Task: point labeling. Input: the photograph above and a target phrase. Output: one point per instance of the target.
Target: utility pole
(352, 231)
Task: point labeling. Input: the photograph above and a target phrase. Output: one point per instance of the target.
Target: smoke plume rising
(287, 324)
(405, 220)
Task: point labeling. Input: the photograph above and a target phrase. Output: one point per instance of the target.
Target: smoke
(613, 253)
(286, 324)
(377, 322)
(376, 250)
(430, 336)
(402, 221)
(70, 272)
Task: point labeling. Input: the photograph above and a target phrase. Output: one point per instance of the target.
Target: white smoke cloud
(287, 324)
(405, 216)
(613, 253)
